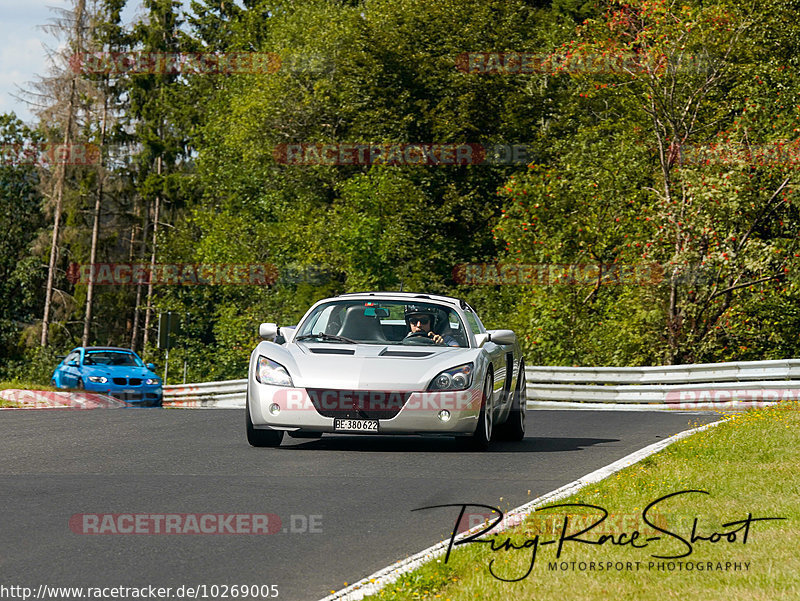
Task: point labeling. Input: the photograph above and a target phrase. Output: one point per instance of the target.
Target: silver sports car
(386, 363)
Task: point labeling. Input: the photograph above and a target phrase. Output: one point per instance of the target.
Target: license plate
(355, 425)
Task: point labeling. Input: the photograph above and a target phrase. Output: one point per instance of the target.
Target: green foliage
(675, 159)
(21, 275)
(35, 367)
(635, 126)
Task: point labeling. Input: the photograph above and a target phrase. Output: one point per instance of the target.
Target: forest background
(653, 139)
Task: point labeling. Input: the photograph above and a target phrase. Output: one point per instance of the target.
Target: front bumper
(314, 410)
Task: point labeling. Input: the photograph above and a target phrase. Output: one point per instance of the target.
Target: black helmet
(411, 310)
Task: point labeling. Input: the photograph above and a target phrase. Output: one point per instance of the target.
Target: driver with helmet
(422, 321)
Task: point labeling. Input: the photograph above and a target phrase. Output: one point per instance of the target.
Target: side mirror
(150, 366)
(481, 339)
(73, 363)
(268, 331)
(502, 336)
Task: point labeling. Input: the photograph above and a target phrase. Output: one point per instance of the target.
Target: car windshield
(384, 322)
(112, 358)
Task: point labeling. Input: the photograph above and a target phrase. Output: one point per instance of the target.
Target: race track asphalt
(360, 490)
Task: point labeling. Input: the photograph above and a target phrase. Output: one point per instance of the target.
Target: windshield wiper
(326, 337)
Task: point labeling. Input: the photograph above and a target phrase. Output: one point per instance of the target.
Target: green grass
(25, 386)
(747, 464)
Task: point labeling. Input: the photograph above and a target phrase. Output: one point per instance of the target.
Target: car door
(496, 356)
(71, 370)
(498, 359)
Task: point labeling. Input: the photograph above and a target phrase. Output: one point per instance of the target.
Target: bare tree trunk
(60, 177)
(135, 334)
(51, 268)
(149, 309)
(135, 326)
(87, 322)
(137, 315)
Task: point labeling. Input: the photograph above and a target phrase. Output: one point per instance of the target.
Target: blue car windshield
(112, 358)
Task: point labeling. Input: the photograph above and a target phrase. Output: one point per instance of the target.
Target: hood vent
(332, 351)
(391, 353)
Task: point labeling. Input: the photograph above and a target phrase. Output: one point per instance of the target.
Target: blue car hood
(118, 371)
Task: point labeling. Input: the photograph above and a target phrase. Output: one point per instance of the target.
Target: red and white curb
(375, 582)
(56, 399)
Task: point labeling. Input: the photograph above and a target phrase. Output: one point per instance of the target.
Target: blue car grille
(127, 382)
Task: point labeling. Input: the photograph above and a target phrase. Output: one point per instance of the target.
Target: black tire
(80, 385)
(514, 426)
(482, 437)
(53, 383)
(262, 438)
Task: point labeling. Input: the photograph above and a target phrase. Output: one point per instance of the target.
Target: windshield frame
(392, 324)
(137, 361)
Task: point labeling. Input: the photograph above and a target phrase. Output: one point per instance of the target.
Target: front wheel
(80, 385)
(480, 439)
(514, 426)
(262, 438)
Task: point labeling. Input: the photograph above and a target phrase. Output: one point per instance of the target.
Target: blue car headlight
(456, 378)
(151, 381)
(269, 372)
(98, 379)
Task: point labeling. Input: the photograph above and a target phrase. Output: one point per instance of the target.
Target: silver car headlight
(98, 379)
(456, 378)
(269, 372)
(151, 381)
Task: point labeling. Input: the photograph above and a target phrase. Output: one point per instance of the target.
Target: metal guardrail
(669, 374)
(753, 382)
(224, 394)
(742, 382)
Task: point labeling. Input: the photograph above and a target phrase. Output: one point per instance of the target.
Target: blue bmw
(110, 370)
